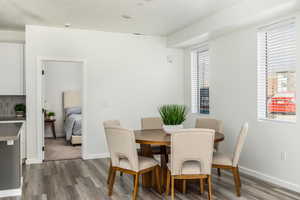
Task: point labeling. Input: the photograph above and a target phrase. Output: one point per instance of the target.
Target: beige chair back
(210, 123)
(240, 143)
(150, 123)
(192, 145)
(111, 123)
(121, 144)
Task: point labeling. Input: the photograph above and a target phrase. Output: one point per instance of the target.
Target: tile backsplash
(7, 104)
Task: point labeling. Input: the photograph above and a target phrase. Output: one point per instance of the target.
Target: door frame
(39, 105)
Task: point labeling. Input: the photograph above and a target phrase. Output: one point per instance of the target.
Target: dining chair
(230, 162)
(124, 158)
(152, 123)
(149, 123)
(214, 124)
(191, 158)
(106, 124)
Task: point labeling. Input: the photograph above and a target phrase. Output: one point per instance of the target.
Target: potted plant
(173, 116)
(51, 115)
(20, 110)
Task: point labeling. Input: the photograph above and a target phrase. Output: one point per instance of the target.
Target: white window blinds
(276, 81)
(200, 83)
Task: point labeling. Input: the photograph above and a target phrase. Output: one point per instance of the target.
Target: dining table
(158, 137)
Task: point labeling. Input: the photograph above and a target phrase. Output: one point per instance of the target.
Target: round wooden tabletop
(159, 137)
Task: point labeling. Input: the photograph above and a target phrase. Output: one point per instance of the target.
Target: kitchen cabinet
(22, 134)
(11, 170)
(12, 69)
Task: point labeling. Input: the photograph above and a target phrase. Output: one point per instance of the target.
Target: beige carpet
(58, 149)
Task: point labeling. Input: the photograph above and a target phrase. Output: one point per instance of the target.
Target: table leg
(163, 163)
(147, 177)
(53, 129)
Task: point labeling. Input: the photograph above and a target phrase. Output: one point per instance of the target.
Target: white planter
(20, 113)
(172, 128)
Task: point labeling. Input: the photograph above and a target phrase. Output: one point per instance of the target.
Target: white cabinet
(11, 69)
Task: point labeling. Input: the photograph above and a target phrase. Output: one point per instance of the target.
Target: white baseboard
(96, 156)
(11, 193)
(270, 179)
(33, 161)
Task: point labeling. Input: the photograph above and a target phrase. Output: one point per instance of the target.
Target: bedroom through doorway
(62, 109)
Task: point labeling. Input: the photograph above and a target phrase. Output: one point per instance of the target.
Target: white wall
(233, 85)
(60, 77)
(12, 36)
(128, 77)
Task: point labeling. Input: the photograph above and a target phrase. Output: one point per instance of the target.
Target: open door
(44, 108)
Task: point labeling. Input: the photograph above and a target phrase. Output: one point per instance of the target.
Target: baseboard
(96, 156)
(11, 193)
(33, 161)
(270, 179)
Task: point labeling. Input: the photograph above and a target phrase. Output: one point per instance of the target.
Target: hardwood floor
(86, 180)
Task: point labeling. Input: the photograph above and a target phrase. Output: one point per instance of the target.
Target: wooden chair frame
(236, 176)
(202, 178)
(112, 174)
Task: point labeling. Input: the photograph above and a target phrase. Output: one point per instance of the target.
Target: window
(200, 83)
(277, 72)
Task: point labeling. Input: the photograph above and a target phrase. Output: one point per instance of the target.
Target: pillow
(73, 110)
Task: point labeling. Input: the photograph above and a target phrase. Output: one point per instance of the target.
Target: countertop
(10, 131)
(12, 118)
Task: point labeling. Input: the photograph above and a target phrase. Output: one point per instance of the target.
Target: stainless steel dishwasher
(10, 156)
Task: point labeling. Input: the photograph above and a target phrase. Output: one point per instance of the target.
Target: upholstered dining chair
(210, 123)
(230, 162)
(214, 124)
(191, 158)
(124, 157)
(152, 123)
(149, 123)
(106, 124)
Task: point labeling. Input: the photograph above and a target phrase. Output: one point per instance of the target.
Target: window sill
(277, 121)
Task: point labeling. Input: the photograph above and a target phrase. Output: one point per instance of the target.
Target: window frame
(195, 71)
(265, 30)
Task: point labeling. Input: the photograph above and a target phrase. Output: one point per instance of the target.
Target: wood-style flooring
(86, 180)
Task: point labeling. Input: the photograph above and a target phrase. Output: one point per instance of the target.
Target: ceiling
(151, 17)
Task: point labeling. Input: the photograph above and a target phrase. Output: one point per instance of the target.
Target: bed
(72, 116)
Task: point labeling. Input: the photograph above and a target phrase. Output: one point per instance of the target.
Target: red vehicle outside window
(282, 103)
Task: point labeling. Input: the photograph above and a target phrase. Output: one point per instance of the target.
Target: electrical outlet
(283, 156)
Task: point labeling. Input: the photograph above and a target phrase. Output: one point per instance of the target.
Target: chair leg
(168, 183)
(238, 171)
(219, 172)
(111, 182)
(201, 186)
(157, 177)
(209, 188)
(153, 176)
(172, 187)
(184, 186)
(136, 186)
(109, 173)
(236, 181)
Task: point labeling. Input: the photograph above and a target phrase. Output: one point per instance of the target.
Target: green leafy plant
(173, 114)
(51, 114)
(20, 107)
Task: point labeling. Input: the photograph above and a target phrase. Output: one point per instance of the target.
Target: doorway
(62, 103)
